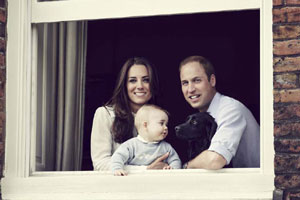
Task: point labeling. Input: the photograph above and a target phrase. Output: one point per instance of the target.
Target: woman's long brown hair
(122, 128)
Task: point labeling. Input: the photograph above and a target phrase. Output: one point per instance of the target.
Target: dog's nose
(177, 128)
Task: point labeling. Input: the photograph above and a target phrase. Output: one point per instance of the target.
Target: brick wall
(2, 79)
(286, 63)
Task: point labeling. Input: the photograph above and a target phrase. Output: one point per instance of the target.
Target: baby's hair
(143, 113)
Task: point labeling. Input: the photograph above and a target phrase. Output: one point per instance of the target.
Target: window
(21, 181)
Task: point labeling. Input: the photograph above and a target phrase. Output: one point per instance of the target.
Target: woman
(113, 123)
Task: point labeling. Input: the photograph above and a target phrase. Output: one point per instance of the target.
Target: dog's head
(196, 126)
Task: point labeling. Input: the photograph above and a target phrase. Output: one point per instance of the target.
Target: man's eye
(198, 80)
(184, 83)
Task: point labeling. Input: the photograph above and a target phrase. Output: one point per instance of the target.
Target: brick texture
(292, 2)
(287, 129)
(287, 161)
(286, 80)
(287, 96)
(286, 77)
(277, 2)
(287, 181)
(286, 64)
(286, 31)
(289, 47)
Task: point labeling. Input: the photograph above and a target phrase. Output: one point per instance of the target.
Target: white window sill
(154, 184)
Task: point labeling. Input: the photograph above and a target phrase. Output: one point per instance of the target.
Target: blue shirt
(136, 151)
(237, 137)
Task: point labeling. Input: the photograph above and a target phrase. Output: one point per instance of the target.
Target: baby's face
(157, 126)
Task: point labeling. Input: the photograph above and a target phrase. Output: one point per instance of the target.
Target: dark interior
(230, 40)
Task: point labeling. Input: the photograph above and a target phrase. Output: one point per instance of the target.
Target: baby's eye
(184, 83)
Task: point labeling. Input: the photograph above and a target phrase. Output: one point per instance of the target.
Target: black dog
(198, 130)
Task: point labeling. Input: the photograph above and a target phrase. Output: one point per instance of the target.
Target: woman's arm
(101, 139)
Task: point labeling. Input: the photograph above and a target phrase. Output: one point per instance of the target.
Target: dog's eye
(193, 122)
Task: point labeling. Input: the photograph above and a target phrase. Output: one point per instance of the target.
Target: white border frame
(20, 182)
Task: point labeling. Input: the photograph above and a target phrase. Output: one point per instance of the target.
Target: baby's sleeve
(173, 159)
(120, 157)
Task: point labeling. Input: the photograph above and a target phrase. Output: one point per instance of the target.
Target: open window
(176, 29)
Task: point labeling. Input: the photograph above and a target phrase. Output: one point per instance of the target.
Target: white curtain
(60, 95)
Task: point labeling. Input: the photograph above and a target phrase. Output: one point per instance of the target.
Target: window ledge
(177, 184)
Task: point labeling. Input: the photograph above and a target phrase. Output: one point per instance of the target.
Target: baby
(151, 123)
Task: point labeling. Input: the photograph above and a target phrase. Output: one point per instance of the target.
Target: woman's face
(138, 86)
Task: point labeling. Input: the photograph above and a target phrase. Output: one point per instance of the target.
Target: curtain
(60, 95)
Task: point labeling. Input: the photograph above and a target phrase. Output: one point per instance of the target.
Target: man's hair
(205, 63)
(143, 114)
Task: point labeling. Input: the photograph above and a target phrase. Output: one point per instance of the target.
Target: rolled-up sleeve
(231, 125)
(101, 139)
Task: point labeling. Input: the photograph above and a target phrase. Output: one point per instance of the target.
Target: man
(237, 139)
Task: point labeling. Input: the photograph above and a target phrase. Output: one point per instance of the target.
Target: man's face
(197, 90)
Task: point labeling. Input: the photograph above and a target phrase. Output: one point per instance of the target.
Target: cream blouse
(102, 143)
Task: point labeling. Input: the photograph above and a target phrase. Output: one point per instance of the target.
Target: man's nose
(191, 88)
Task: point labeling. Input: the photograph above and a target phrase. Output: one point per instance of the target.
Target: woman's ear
(213, 80)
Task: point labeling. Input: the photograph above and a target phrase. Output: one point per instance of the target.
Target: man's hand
(120, 172)
(207, 160)
(158, 163)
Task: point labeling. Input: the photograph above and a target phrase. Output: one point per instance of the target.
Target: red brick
(2, 45)
(279, 15)
(286, 112)
(288, 47)
(287, 145)
(277, 2)
(293, 14)
(289, 181)
(286, 80)
(2, 15)
(286, 64)
(287, 163)
(287, 96)
(293, 195)
(292, 2)
(286, 32)
(287, 129)
(2, 60)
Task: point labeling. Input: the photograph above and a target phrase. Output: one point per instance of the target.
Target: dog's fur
(198, 130)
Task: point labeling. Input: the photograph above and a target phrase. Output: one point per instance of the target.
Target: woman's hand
(158, 163)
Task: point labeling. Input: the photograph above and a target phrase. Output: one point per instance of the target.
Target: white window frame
(22, 182)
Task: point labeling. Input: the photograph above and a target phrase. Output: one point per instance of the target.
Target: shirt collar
(145, 141)
(214, 104)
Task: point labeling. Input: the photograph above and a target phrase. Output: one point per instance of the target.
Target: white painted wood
(176, 184)
(18, 90)
(53, 11)
(173, 184)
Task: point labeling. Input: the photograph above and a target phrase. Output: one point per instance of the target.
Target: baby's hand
(120, 172)
(167, 167)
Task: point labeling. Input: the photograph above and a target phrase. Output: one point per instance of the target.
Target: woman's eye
(146, 80)
(132, 80)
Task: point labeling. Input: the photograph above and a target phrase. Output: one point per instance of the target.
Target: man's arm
(207, 160)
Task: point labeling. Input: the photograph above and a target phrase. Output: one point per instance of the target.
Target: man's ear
(213, 80)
